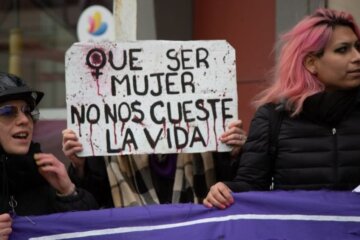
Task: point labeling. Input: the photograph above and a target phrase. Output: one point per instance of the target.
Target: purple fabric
(165, 168)
(295, 215)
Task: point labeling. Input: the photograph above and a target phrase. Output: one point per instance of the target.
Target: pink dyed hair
(292, 82)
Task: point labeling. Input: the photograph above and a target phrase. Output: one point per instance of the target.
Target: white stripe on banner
(109, 231)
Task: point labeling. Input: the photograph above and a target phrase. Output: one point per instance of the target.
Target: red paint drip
(122, 128)
(98, 87)
(79, 131)
(216, 140)
(91, 143)
(115, 135)
(224, 125)
(164, 128)
(136, 119)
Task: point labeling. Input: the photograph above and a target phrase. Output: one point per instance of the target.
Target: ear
(309, 64)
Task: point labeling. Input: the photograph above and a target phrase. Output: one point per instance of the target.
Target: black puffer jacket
(21, 181)
(318, 149)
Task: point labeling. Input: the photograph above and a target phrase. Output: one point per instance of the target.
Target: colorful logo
(96, 26)
(96, 23)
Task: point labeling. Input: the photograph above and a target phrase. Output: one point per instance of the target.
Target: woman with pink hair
(316, 91)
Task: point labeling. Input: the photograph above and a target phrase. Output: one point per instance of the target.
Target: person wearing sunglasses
(31, 182)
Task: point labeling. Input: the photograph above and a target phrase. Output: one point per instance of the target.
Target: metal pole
(125, 14)
(15, 44)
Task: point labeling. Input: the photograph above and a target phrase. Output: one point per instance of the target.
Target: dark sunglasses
(11, 111)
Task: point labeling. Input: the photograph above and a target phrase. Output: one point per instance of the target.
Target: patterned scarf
(131, 183)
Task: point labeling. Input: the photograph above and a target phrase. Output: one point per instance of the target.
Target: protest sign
(150, 96)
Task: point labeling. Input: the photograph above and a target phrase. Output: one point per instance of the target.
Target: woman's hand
(5, 226)
(54, 171)
(219, 196)
(234, 136)
(72, 146)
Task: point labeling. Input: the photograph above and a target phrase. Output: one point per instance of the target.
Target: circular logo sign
(96, 23)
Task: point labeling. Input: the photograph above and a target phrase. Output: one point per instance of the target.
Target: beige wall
(352, 6)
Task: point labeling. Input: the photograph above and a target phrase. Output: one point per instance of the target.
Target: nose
(356, 58)
(22, 118)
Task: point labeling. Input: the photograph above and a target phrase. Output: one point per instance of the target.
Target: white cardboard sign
(150, 96)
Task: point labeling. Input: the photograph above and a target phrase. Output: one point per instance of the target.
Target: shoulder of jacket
(265, 110)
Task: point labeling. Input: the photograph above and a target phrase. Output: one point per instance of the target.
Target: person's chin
(18, 150)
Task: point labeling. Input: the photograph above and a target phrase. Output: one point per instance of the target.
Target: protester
(133, 180)
(316, 91)
(31, 182)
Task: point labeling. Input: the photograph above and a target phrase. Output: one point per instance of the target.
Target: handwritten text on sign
(150, 96)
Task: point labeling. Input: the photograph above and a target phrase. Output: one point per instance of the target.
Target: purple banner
(297, 215)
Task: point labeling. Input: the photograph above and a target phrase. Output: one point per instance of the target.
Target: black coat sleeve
(95, 181)
(254, 170)
(225, 166)
(81, 201)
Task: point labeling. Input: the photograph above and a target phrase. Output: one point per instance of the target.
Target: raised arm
(89, 173)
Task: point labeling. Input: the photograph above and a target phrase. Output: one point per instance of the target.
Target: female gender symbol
(96, 59)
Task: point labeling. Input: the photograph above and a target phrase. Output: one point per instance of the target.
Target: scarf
(131, 183)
